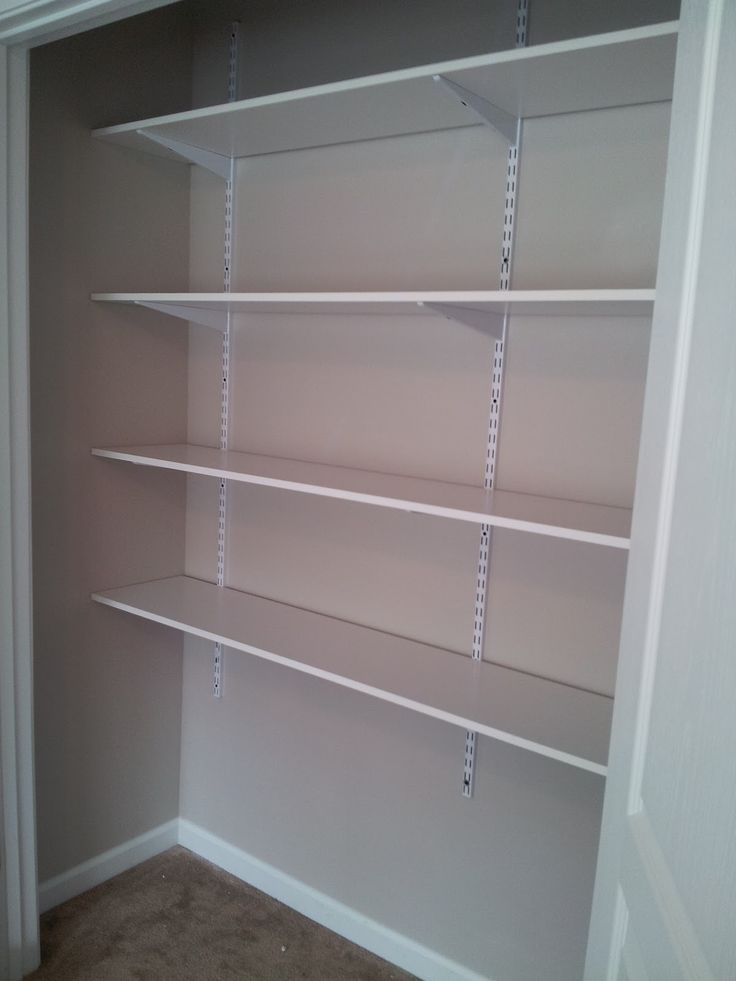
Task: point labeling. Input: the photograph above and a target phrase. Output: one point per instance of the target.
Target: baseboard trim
(359, 929)
(414, 957)
(102, 867)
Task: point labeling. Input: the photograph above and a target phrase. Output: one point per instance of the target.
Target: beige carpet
(178, 918)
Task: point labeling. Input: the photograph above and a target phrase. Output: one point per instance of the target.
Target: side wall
(108, 688)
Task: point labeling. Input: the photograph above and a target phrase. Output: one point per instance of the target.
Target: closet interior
(339, 331)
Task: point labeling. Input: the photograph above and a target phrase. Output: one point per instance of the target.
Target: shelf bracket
(197, 315)
(485, 320)
(500, 120)
(216, 163)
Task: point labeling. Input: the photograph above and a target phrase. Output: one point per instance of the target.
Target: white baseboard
(394, 947)
(105, 866)
(414, 957)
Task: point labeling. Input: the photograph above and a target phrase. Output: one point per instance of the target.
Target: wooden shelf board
(571, 520)
(621, 68)
(550, 303)
(546, 717)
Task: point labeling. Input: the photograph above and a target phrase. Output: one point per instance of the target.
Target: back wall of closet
(355, 797)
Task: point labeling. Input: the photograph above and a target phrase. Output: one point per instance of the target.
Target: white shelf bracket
(216, 319)
(498, 119)
(216, 163)
(484, 320)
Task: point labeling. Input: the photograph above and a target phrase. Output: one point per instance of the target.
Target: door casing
(24, 24)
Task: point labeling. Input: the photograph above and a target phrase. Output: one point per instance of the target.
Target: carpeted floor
(178, 918)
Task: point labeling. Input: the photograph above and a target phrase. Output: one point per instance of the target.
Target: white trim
(359, 929)
(621, 936)
(657, 906)
(672, 327)
(17, 829)
(102, 867)
(686, 303)
(349, 923)
(40, 21)
(23, 23)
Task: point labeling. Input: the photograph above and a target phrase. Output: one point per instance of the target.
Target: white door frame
(23, 25)
(691, 140)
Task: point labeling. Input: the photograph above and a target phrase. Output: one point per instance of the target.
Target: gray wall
(108, 688)
(357, 798)
(292, 43)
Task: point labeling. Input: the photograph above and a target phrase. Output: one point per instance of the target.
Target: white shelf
(621, 68)
(548, 303)
(572, 520)
(546, 717)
